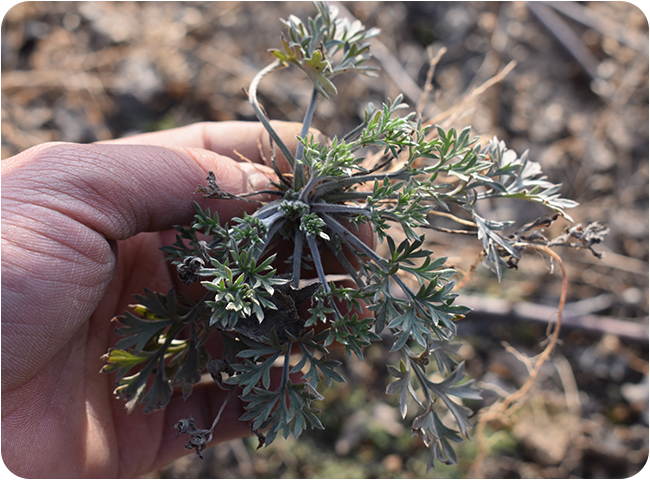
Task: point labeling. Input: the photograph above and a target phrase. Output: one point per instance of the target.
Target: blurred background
(577, 99)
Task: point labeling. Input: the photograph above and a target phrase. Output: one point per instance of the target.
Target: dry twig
(428, 83)
(502, 410)
(451, 114)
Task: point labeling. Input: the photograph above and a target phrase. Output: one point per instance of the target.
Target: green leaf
(250, 373)
(139, 332)
(123, 361)
(189, 372)
(491, 240)
(403, 385)
(132, 388)
(451, 386)
(284, 410)
(436, 436)
(159, 393)
(158, 304)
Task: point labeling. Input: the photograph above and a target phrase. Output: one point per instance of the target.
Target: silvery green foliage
(255, 309)
(326, 46)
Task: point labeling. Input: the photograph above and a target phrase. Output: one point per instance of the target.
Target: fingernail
(259, 176)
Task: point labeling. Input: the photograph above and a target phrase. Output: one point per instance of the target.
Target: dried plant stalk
(503, 409)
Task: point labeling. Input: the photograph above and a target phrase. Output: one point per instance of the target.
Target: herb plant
(393, 173)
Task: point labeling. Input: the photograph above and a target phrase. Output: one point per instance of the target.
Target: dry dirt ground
(577, 99)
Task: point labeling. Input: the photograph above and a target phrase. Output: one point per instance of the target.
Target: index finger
(228, 138)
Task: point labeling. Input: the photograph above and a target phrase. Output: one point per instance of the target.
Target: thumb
(120, 190)
(60, 205)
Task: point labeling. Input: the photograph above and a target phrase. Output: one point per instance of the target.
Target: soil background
(577, 99)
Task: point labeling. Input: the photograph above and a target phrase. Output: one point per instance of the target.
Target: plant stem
(268, 210)
(422, 379)
(272, 230)
(298, 172)
(285, 367)
(341, 183)
(307, 188)
(315, 254)
(297, 256)
(223, 406)
(356, 131)
(259, 112)
(351, 238)
(461, 187)
(195, 309)
(330, 208)
(347, 265)
(274, 163)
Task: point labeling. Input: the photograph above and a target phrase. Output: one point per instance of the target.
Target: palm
(105, 441)
(62, 283)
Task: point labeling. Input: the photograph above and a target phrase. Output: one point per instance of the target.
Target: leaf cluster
(149, 344)
(326, 46)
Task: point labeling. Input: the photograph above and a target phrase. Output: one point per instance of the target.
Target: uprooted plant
(393, 173)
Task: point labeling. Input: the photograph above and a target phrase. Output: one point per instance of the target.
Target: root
(502, 410)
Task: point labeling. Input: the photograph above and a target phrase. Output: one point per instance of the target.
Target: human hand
(81, 227)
